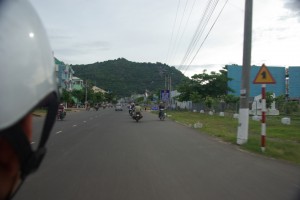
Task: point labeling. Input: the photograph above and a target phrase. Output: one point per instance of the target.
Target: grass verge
(39, 112)
(283, 141)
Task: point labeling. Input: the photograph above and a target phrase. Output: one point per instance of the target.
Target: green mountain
(124, 77)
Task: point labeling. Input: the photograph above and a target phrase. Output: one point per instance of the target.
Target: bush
(291, 107)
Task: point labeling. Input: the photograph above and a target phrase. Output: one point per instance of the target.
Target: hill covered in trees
(123, 77)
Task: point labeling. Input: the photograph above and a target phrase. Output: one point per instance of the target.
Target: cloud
(294, 6)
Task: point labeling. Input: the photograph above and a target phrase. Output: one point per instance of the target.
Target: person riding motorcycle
(137, 109)
(131, 109)
(24, 48)
(161, 108)
(61, 113)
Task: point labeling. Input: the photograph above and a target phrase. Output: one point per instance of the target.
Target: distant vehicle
(137, 116)
(61, 114)
(118, 107)
(162, 114)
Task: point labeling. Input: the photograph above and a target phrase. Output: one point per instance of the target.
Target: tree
(269, 99)
(229, 98)
(66, 96)
(204, 85)
(109, 96)
(79, 95)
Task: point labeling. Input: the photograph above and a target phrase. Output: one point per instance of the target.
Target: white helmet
(26, 61)
(27, 78)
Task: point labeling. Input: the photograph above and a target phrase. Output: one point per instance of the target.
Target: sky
(89, 31)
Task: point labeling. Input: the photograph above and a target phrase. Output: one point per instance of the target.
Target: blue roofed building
(235, 73)
(294, 82)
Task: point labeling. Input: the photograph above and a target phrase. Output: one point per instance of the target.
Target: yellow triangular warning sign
(264, 76)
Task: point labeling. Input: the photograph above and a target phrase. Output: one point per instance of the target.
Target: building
(64, 75)
(279, 74)
(293, 82)
(98, 90)
(77, 83)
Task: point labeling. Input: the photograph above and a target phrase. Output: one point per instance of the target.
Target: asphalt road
(106, 155)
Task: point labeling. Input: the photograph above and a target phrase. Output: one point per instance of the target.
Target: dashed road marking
(58, 132)
(32, 142)
(84, 121)
(74, 125)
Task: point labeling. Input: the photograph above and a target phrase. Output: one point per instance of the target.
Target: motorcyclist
(138, 109)
(24, 48)
(61, 111)
(131, 108)
(161, 108)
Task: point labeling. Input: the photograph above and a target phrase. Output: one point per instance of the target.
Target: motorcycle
(61, 114)
(162, 114)
(137, 116)
(130, 112)
(96, 107)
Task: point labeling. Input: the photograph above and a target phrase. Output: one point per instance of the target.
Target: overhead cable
(199, 30)
(172, 31)
(206, 36)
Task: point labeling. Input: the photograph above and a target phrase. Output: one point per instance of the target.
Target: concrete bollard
(235, 116)
(198, 125)
(210, 113)
(221, 114)
(256, 118)
(286, 120)
(201, 111)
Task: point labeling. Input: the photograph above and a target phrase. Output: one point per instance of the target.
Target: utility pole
(85, 94)
(242, 134)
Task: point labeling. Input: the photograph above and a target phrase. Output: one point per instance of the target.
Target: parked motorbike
(61, 114)
(137, 116)
(162, 114)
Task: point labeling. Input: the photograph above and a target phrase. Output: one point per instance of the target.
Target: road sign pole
(263, 77)
(263, 117)
(242, 133)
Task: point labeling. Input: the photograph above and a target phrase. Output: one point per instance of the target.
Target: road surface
(106, 155)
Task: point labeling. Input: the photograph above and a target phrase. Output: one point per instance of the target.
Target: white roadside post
(242, 134)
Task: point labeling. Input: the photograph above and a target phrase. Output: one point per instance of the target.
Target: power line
(206, 35)
(172, 31)
(185, 27)
(176, 38)
(200, 29)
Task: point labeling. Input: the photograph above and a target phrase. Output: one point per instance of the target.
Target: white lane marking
(74, 125)
(32, 142)
(84, 121)
(58, 132)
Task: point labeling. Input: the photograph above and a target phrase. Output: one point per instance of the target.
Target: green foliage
(109, 97)
(139, 100)
(280, 101)
(79, 95)
(291, 107)
(195, 97)
(66, 97)
(209, 102)
(229, 98)
(283, 141)
(124, 78)
(204, 85)
(285, 106)
(269, 99)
